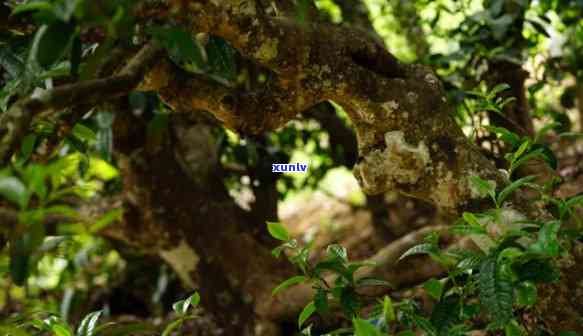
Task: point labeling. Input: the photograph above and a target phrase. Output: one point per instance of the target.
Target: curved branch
(16, 121)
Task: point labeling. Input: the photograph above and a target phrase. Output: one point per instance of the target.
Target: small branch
(16, 121)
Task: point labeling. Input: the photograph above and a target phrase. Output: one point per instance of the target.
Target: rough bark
(407, 139)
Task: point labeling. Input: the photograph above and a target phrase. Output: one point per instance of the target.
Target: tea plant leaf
(434, 288)
(364, 328)
(495, 291)
(419, 249)
(388, 309)
(278, 231)
(308, 310)
(88, 324)
(526, 293)
(288, 283)
(14, 190)
(508, 190)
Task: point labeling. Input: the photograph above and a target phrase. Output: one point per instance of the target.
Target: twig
(16, 121)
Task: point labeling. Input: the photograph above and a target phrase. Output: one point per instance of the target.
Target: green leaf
(484, 187)
(424, 248)
(538, 271)
(508, 190)
(350, 301)
(388, 309)
(171, 327)
(51, 42)
(88, 324)
(445, 314)
(336, 251)
(180, 45)
(539, 27)
(434, 288)
(525, 158)
(19, 261)
(526, 293)
(497, 89)
(14, 190)
(44, 6)
(495, 291)
(221, 58)
(513, 329)
(84, 133)
(181, 307)
(278, 231)
(289, 282)
(308, 310)
(547, 242)
(470, 218)
(27, 146)
(321, 301)
(364, 328)
(58, 327)
(424, 324)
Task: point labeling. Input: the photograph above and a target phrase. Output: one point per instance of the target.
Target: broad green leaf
(181, 307)
(278, 231)
(498, 88)
(19, 261)
(495, 291)
(507, 136)
(388, 309)
(27, 146)
(525, 158)
(12, 189)
(88, 324)
(434, 288)
(526, 293)
(513, 329)
(45, 6)
(336, 251)
(547, 154)
(424, 248)
(221, 58)
(350, 301)
(57, 326)
(471, 219)
(521, 150)
(484, 187)
(547, 242)
(288, 283)
(51, 42)
(364, 328)
(508, 190)
(105, 220)
(84, 133)
(445, 314)
(538, 271)
(180, 45)
(424, 324)
(308, 310)
(321, 301)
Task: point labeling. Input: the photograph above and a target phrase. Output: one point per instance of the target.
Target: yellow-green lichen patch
(267, 51)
